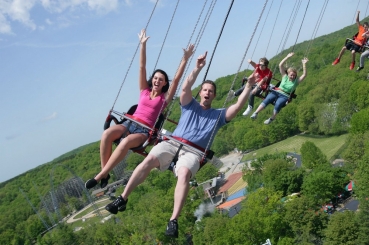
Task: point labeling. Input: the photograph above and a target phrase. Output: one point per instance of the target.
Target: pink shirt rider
(148, 109)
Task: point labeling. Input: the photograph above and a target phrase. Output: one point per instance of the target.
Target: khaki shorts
(165, 152)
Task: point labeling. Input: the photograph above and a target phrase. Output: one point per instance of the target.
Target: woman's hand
(187, 53)
(290, 54)
(142, 36)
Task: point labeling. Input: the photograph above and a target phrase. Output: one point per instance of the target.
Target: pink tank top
(148, 109)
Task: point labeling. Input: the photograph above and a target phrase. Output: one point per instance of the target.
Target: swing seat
(352, 40)
(153, 135)
(272, 87)
(264, 92)
(207, 156)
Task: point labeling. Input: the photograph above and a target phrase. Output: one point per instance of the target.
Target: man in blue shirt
(196, 127)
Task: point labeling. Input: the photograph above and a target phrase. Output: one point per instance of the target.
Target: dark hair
(165, 88)
(366, 23)
(265, 60)
(212, 83)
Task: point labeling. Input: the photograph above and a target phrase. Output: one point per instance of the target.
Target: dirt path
(91, 214)
(231, 164)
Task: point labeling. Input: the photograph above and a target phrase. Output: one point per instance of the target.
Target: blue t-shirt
(196, 124)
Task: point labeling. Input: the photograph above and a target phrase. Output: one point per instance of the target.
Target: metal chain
(235, 77)
(134, 55)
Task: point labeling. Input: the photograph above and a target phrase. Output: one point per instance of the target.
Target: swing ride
(155, 135)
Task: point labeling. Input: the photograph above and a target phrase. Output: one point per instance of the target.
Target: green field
(330, 146)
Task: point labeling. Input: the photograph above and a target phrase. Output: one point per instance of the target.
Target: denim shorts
(135, 128)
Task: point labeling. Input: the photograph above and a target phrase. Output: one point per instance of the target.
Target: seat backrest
(132, 110)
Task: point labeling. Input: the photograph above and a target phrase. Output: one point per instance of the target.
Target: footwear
(247, 111)
(352, 66)
(119, 204)
(359, 68)
(268, 121)
(104, 181)
(91, 183)
(335, 62)
(254, 115)
(172, 229)
(230, 95)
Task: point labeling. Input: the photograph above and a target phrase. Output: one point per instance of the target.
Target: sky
(63, 62)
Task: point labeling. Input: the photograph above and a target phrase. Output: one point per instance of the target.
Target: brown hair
(212, 83)
(264, 60)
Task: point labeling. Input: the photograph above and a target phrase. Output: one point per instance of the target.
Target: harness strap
(208, 154)
(277, 88)
(175, 159)
(189, 143)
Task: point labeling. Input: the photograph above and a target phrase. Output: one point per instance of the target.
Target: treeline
(332, 100)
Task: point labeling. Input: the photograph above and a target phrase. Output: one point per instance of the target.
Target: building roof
(232, 179)
(229, 204)
(237, 194)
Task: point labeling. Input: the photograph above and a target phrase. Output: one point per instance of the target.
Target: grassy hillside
(330, 146)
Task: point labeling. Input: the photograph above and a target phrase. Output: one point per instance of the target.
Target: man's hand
(253, 78)
(201, 60)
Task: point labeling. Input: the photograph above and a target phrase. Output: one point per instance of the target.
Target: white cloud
(4, 25)
(20, 10)
(62, 5)
(103, 5)
(51, 117)
(48, 21)
(15, 10)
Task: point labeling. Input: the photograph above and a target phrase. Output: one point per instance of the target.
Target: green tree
(326, 117)
(362, 191)
(260, 218)
(312, 156)
(341, 229)
(324, 183)
(356, 147)
(253, 177)
(360, 121)
(62, 234)
(208, 231)
(306, 220)
(306, 116)
(274, 174)
(358, 93)
(208, 171)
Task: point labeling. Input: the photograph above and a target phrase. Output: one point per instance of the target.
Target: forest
(331, 101)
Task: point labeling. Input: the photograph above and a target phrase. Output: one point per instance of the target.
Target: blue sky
(62, 62)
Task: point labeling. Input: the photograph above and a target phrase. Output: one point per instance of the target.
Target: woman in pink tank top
(155, 94)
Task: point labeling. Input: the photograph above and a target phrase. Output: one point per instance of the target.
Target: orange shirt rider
(360, 39)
